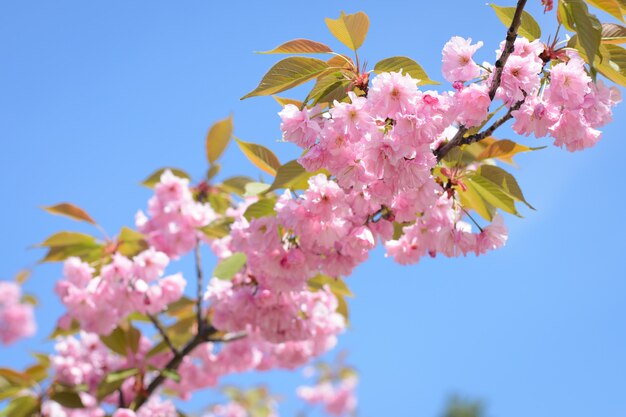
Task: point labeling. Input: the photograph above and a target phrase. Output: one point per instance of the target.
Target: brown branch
(199, 283)
(511, 35)
(200, 338)
(489, 131)
(164, 335)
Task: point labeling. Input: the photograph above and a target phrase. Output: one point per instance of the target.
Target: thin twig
(164, 335)
(511, 35)
(199, 283)
(489, 131)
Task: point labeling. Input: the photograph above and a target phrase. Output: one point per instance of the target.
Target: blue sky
(97, 95)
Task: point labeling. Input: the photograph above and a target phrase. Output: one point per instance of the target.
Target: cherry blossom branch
(201, 337)
(489, 131)
(199, 282)
(163, 334)
(511, 34)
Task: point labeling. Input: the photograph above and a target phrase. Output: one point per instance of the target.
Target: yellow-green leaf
(504, 150)
(68, 399)
(504, 180)
(471, 200)
(236, 185)
(612, 7)
(218, 229)
(336, 285)
(329, 87)
(70, 210)
(407, 65)
(586, 25)
(155, 177)
(492, 193)
(22, 276)
(300, 46)
(255, 188)
(131, 242)
(116, 341)
(227, 268)
(260, 156)
(288, 73)
(261, 208)
(217, 138)
(529, 28)
(291, 176)
(26, 406)
(284, 101)
(350, 29)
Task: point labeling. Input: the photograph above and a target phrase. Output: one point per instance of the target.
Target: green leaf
(612, 33)
(131, 242)
(504, 150)
(255, 188)
(116, 341)
(260, 156)
(262, 208)
(288, 73)
(62, 245)
(171, 374)
(236, 185)
(612, 7)
(329, 87)
(9, 392)
(218, 229)
(529, 28)
(300, 46)
(22, 276)
(217, 138)
(492, 193)
(16, 378)
(227, 268)
(337, 285)
(284, 101)
(586, 25)
(407, 65)
(350, 29)
(67, 399)
(291, 176)
(26, 406)
(504, 180)
(155, 177)
(219, 202)
(71, 211)
(132, 338)
(213, 171)
(121, 375)
(471, 200)
(612, 64)
(73, 328)
(68, 239)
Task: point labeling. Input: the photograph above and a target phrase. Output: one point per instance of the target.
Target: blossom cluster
(338, 399)
(17, 319)
(562, 102)
(99, 302)
(85, 361)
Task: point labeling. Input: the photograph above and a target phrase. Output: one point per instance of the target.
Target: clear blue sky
(96, 95)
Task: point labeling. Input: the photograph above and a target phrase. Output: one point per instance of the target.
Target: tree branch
(489, 131)
(201, 337)
(199, 283)
(164, 335)
(511, 35)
